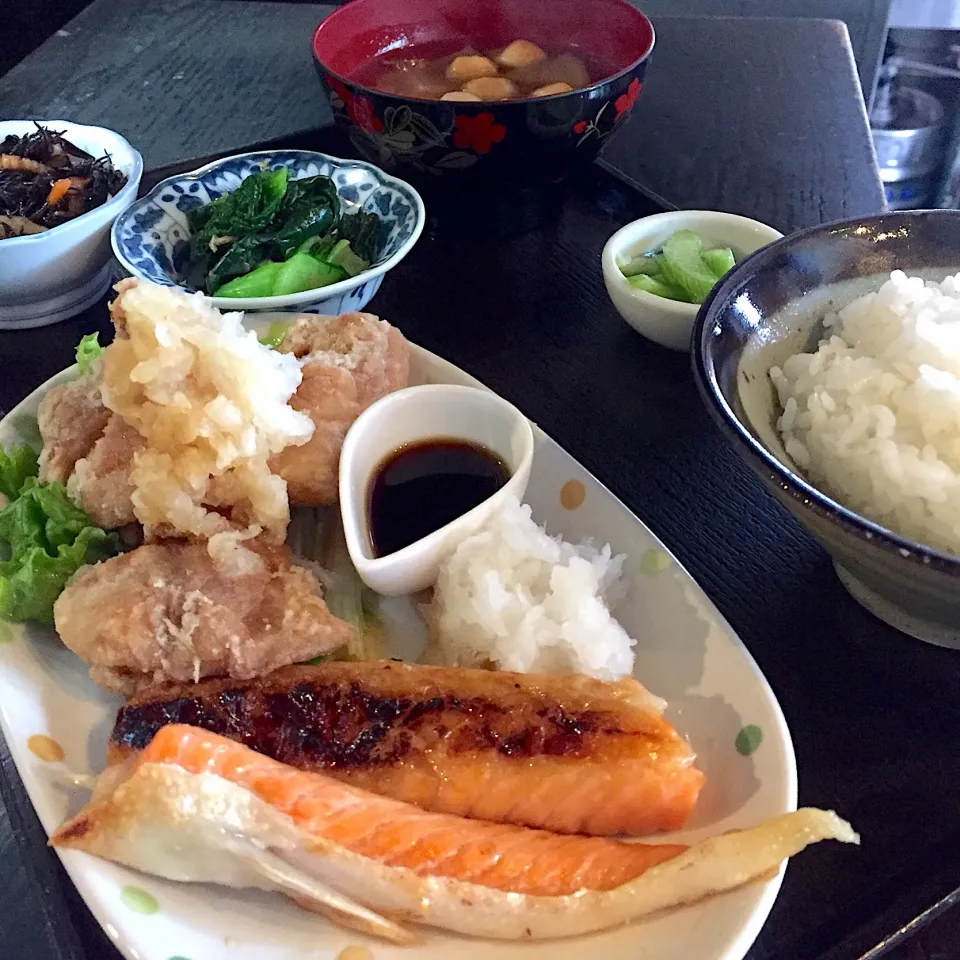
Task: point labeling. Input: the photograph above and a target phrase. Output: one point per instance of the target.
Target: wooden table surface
(178, 78)
(761, 117)
(755, 116)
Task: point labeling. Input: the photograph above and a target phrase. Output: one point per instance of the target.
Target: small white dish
(669, 322)
(50, 276)
(409, 416)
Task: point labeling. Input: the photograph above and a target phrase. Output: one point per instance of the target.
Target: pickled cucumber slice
(658, 287)
(683, 265)
(719, 260)
(645, 264)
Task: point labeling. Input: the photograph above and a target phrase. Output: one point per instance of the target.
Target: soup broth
(460, 72)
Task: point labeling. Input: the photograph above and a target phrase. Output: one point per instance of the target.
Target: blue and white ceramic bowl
(151, 238)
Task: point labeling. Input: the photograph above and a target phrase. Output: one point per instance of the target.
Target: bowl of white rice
(831, 359)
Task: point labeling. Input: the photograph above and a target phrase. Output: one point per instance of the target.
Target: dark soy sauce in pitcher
(423, 486)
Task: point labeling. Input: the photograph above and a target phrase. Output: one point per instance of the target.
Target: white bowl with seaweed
(278, 230)
(60, 264)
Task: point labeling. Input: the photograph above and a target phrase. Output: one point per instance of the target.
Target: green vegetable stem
(719, 260)
(302, 272)
(317, 247)
(649, 265)
(343, 256)
(680, 270)
(257, 283)
(658, 287)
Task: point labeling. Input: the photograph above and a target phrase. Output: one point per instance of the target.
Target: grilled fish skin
(195, 807)
(560, 752)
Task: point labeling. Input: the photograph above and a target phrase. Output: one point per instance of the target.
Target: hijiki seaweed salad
(46, 180)
(274, 236)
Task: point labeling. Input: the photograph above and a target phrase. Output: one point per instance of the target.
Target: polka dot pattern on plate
(572, 494)
(354, 953)
(654, 562)
(46, 748)
(139, 900)
(748, 740)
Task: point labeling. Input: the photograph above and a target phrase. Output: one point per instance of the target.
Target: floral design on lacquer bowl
(542, 138)
(400, 135)
(523, 141)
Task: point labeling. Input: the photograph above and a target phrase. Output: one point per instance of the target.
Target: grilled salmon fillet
(565, 753)
(196, 807)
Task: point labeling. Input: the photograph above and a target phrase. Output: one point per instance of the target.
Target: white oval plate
(686, 653)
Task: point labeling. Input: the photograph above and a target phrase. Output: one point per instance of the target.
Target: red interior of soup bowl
(364, 29)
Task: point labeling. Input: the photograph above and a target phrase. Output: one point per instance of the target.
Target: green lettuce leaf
(64, 521)
(30, 583)
(49, 539)
(17, 463)
(88, 350)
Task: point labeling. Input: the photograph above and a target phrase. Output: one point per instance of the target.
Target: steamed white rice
(513, 596)
(873, 417)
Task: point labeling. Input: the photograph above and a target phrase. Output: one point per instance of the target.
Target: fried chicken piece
(89, 449)
(348, 362)
(165, 612)
(71, 417)
(118, 315)
(100, 482)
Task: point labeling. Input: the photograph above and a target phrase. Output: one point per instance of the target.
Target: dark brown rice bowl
(771, 306)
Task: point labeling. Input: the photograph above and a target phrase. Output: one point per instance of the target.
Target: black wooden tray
(873, 714)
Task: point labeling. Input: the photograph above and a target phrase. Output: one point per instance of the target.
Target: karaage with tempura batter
(165, 612)
(348, 362)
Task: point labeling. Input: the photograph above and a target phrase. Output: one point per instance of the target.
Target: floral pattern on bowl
(601, 126)
(151, 239)
(405, 135)
(457, 149)
(436, 137)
